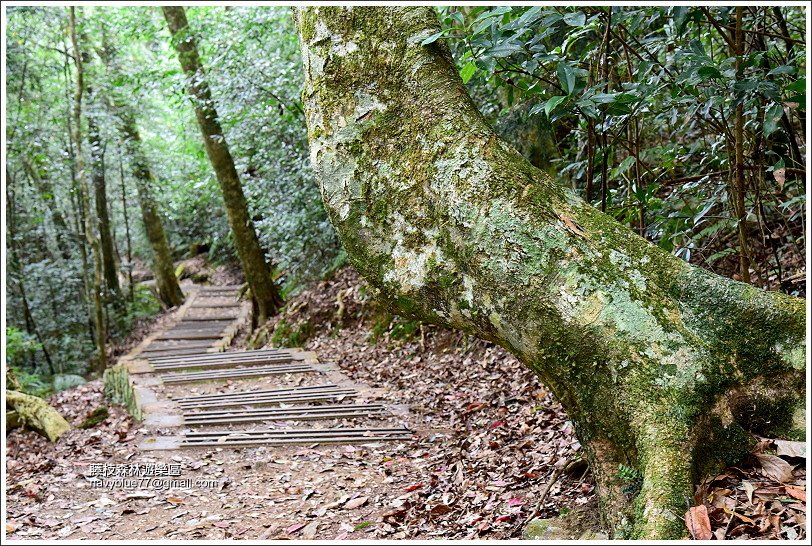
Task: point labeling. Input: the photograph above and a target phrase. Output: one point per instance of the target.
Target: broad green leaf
(493, 12)
(552, 103)
(536, 108)
(771, 118)
(708, 72)
(798, 86)
(505, 49)
(468, 71)
(566, 75)
(785, 69)
(575, 19)
(603, 98)
(433, 38)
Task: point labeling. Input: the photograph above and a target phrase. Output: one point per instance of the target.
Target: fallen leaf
(748, 489)
(780, 176)
(309, 532)
(293, 528)
(698, 523)
(356, 502)
(787, 448)
(741, 517)
(775, 467)
(440, 509)
(796, 493)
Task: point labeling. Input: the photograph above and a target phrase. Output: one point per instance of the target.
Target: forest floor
(489, 439)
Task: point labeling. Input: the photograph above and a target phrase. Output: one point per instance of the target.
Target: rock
(545, 529)
(576, 525)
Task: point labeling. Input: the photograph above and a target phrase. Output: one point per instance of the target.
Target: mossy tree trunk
(97, 149)
(662, 367)
(264, 291)
(35, 413)
(100, 330)
(163, 267)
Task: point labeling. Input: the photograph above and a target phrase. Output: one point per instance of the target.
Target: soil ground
(489, 437)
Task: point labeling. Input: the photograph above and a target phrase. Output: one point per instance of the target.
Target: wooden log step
(295, 413)
(216, 306)
(302, 408)
(191, 335)
(220, 288)
(294, 436)
(175, 352)
(267, 397)
(171, 345)
(231, 355)
(197, 328)
(205, 321)
(236, 373)
(220, 364)
(210, 318)
(208, 330)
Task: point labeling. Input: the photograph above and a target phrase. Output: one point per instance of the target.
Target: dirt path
(488, 439)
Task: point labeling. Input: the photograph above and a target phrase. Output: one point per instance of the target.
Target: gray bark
(661, 366)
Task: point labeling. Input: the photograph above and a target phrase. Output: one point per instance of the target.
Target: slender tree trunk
(163, 267)
(662, 367)
(127, 227)
(17, 266)
(109, 267)
(78, 211)
(46, 192)
(267, 298)
(740, 182)
(92, 239)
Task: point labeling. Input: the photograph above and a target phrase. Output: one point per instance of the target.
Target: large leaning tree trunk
(662, 367)
(266, 296)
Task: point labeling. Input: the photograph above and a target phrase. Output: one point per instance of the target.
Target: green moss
(97, 416)
(119, 390)
(286, 334)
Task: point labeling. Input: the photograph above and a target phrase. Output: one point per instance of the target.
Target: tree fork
(650, 356)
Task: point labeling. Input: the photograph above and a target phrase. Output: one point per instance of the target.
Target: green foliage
(396, 327)
(286, 334)
(632, 479)
(19, 345)
(654, 100)
(63, 382)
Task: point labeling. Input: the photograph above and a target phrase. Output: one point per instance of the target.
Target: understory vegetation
(643, 111)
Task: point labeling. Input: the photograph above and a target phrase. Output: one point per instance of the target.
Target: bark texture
(661, 366)
(267, 299)
(169, 290)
